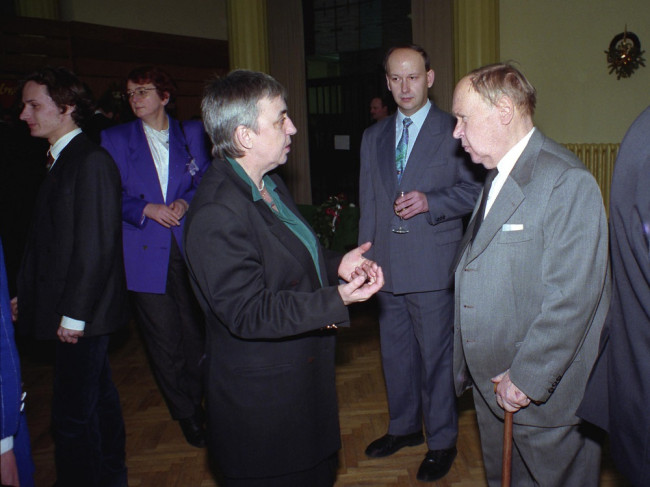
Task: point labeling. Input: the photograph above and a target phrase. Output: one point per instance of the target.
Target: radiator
(599, 159)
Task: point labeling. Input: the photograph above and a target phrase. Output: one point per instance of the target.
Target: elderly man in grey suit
(413, 152)
(532, 285)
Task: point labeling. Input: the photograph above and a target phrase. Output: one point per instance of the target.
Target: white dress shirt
(504, 167)
(159, 146)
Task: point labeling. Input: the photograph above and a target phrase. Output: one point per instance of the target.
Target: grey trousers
(547, 457)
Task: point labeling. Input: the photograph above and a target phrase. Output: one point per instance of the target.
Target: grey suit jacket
(419, 260)
(533, 289)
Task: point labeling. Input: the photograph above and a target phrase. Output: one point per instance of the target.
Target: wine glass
(399, 225)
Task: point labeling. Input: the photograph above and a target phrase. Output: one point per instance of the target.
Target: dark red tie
(50, 161)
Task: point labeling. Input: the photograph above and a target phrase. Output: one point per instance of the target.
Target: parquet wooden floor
(158, 456)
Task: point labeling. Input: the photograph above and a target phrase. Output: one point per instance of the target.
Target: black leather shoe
(436, 464)
(193, 430)
(389, 444)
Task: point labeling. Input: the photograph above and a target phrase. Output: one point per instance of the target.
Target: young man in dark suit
(413, 152)
(71, 284)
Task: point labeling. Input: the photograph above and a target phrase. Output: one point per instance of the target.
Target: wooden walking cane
(506, 459)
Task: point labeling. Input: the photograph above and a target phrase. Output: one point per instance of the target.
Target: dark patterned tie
(480, 214)
(401, 149)
(50, 161)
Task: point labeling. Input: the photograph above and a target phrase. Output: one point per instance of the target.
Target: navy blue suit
(416, 303)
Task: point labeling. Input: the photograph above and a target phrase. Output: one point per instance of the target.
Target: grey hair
(231, 101)
(494, 80)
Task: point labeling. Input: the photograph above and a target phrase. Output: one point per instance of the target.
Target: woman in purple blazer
(161, 161)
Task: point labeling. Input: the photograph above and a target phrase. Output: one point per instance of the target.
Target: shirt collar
(59, 145)
(417, 118)
(255, 192)
(508, 161)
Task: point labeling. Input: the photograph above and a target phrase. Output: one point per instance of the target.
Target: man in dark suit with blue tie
(413, 152)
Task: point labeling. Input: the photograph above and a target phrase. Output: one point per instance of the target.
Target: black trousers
(173, 330)
(87, 418)
(321, 475)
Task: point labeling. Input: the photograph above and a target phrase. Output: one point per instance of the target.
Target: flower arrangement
(328, 217)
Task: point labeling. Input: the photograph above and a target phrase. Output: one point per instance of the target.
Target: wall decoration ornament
(624, 54)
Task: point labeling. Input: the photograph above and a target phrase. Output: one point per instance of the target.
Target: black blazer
(73, 263)
(271, 394)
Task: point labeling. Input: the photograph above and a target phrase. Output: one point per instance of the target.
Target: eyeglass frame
(141, 92)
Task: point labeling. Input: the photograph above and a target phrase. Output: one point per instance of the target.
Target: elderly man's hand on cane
(511, 399)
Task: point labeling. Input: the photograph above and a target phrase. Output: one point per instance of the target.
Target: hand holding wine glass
(411, 203)
(399, 225)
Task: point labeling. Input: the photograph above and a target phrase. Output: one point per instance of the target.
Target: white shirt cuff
(72, 324)
(6, 444)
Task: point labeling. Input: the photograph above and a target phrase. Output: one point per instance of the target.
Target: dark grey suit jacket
(419, 260)
(618, 394)
(72, 265)
(270, 367)
(533, 289)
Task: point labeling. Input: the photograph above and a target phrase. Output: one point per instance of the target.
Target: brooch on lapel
(191, 167)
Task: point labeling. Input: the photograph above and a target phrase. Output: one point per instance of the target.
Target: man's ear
(243, 137)
(431, 75)
(506, 109)
(68, 109)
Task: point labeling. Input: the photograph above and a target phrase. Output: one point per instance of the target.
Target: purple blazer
(146, 242)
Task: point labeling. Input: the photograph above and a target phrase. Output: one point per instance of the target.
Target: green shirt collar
(268, 182)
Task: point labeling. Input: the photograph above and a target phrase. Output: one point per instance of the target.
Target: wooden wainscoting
(102, 56)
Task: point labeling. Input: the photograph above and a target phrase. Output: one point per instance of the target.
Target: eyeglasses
(141, 92)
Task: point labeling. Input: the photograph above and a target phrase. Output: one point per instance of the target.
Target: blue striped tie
(401, 149)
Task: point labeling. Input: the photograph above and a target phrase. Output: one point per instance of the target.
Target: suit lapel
(424, 151)
(141, 159)
(178, 158)
(508, 200)
(293, 243)
(386, 157)
(279, 230)
(68, 153)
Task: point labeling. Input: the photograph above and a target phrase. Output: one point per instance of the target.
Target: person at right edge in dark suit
(416, 303)
(71, 284)
(618, 393)
(532, 286)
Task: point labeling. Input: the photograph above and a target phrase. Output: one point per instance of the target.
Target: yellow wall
(195, 18)
(560, 46)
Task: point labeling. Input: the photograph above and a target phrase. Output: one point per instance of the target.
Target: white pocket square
(512, 227)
